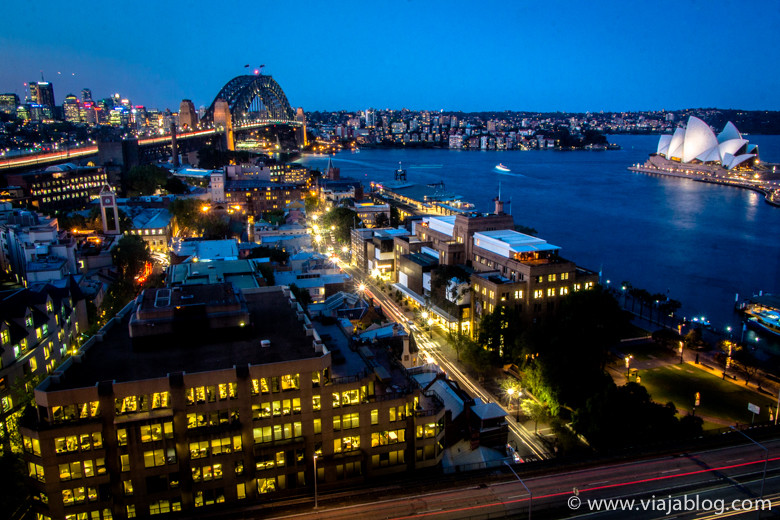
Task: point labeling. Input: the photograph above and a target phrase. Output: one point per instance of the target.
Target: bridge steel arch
(241, 92)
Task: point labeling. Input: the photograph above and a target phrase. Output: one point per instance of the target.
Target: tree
(395, 217)
(534, 411)
(185, 213)
(624, 416)
(129, 256)
(312, 203)
(343, 220)
(145, 179)
(175, 186)
(381, 220)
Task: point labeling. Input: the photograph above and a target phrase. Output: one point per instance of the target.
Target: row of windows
(210, 394)
(215, 418)
(82, 469)
(266, 385)
(279, 408)
(84, 442)
(201, 449)
(277, 432)
(74, 412)
(142, 403)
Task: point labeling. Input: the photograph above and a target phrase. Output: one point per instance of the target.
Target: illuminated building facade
(71, 109)
(240, 404)
(9, 103)
(37, 327)
(42, 93)
(261, 196)
(64, 186)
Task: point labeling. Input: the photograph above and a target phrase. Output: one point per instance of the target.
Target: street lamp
(628, 365)
(530, 495)
(681, 352)
(511, 392)
(315, 481)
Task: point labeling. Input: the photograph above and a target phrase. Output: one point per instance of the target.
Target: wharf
(770, 189)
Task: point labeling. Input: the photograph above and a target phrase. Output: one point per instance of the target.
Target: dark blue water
(702, 243)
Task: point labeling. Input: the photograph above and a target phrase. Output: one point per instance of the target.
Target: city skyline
(416, 55)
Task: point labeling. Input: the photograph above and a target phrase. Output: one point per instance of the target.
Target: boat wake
(426, 166)
(508, 174)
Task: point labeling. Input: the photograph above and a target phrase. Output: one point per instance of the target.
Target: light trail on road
(432, 351)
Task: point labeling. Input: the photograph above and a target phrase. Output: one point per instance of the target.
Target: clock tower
(109, 211)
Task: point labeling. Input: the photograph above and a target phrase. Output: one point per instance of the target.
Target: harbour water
(699, 243)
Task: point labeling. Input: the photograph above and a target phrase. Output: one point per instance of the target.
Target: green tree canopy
(624, 416)
(145, 180)
(343, 219)
(129, 256)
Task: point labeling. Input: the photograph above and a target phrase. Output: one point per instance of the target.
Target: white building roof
(444, 225)
(507, 243)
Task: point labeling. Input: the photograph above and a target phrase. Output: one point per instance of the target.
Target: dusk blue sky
(451, 55)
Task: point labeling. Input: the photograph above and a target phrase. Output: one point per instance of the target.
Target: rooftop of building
(494, 277)
(419, 192)
(422, 259)
(115, 359)
(508, 241)
(207, 250)
(48, 263)
(241, 273)
(150, 218)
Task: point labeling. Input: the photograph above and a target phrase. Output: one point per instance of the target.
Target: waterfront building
(203, 399)
(503, 267)
(697, 143)
(60, 187)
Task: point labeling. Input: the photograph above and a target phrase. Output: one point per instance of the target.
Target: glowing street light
(628, 364)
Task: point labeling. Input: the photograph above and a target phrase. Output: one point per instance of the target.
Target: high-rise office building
(207, 397)
(42, 93)
(86, 95)
(9, 103)
(70, 109)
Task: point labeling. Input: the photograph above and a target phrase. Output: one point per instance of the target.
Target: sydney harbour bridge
(245, 104)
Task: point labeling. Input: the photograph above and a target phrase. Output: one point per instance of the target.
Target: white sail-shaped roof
(699, 138)
(735, 161)
(731, 146)
(711, 155)
(663, 144)
(729, 132)
(676, 144)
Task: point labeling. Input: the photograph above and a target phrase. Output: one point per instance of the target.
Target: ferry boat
(500, 167)
(763, 312)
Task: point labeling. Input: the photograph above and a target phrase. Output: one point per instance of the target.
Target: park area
(723, 403)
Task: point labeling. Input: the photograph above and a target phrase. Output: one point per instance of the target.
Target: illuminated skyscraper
(70, 109)
(42, 93)
(86, 95)
(9, 103)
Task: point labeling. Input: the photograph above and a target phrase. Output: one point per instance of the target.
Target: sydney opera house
(697, 143)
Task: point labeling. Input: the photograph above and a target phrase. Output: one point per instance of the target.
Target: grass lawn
(719, 399)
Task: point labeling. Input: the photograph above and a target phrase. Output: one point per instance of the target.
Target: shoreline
(771, 196)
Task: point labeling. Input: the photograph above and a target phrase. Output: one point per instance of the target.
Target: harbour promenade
(703, 173)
